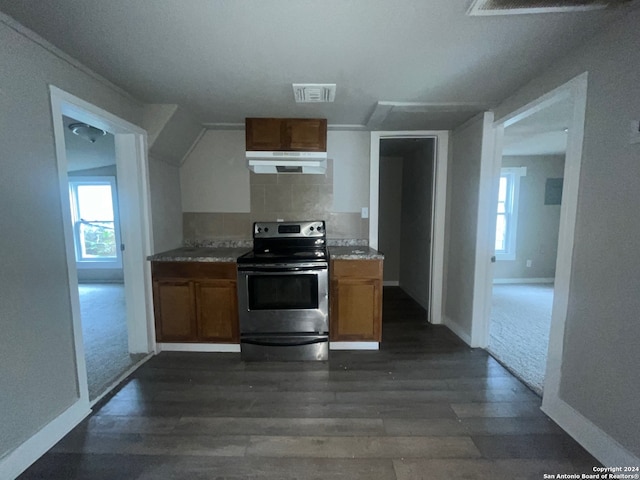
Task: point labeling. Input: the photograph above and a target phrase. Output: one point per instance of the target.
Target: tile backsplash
(279, 196)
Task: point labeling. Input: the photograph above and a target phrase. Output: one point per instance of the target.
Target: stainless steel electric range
(283, 293)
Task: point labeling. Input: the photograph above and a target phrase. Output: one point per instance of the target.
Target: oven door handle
(293, 343)
(251, 269)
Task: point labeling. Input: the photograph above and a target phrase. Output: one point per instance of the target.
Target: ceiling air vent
(314, 92)
(507, 7)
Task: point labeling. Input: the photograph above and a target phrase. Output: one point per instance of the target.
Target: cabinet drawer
(356, 268)
(193, 270)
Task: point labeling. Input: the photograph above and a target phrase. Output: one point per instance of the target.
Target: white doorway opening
(135, 222)
(526, 240)
(437, 211)
(575, 91)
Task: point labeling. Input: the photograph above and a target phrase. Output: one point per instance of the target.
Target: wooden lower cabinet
(175, 314)
(217, 311)
(195, 302)
(356, 300)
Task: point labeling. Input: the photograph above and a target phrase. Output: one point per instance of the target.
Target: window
(95, 222)
(507, 219)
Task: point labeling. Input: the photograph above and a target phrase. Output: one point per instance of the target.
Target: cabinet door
(264, 134)
(356, 309)
(306, 134)
(174, 311)
(217, 311)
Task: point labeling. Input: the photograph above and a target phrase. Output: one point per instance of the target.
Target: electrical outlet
(528, 263)
(635, 131)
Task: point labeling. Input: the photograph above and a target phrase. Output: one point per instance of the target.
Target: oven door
(283, 299)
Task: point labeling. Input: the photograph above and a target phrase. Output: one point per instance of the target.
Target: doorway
(405, 214)
(526, 241)
(93, 197)
(412, 221)
(95, 252)
(573, 92)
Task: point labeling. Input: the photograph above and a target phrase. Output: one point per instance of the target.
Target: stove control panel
(306, 229)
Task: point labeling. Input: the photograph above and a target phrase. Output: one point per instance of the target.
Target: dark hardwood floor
(423, 407)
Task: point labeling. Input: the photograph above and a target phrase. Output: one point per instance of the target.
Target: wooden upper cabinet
(264, 134)
(306, 134)
(286, 134)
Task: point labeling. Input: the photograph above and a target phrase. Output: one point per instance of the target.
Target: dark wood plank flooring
(423, 407)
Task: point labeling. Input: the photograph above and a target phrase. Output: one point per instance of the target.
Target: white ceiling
(225, 60)
(542, 133)
(84, 155)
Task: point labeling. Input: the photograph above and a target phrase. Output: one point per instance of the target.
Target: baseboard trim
(199, 347)
(354, 346)
(32, 449)
(457, 330)
(390, 283)
(508, 281)
(598, 443)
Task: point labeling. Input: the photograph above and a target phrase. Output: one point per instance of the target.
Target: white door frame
(135, 218)
(441, 155)
(576, 89)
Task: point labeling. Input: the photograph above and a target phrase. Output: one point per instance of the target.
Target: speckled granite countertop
(230, 254)
(354, 253)
(200, 254)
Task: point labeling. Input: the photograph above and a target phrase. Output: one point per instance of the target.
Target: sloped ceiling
(225, 60)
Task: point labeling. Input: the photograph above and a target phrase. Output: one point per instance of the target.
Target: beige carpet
(519, 332)
(104, 331)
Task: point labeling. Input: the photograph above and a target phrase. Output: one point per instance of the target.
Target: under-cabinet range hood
(287, 162)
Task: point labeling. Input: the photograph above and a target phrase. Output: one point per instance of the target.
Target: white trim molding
(485, 233)
(199, 347)
(586, 433)
(441, 156)
(510, 281)
(354, 346)
(31, 450)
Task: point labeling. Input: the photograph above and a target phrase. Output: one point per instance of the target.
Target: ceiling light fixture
(86, 131)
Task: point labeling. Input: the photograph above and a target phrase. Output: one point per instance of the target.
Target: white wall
(601, 359)
(390, 207)
(37, 365)
(350, 152)
(415, 218)
(462, 217)
(215, 177)
(538, 224)
(166, 205)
